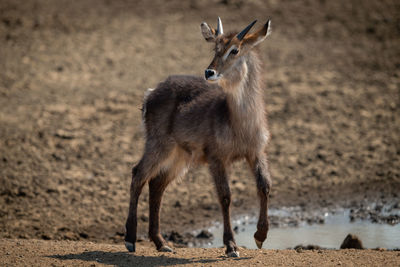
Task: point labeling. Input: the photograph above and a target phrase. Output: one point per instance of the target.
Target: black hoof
(258, 243)
(130, 247)
(233, 254)
(165, 249)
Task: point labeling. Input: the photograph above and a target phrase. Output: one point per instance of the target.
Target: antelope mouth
(214, 78)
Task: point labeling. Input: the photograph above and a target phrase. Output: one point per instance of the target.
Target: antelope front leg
(259, 167)
(224, 195)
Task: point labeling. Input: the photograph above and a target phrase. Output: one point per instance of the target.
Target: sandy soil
(16, 252)
(72, 77)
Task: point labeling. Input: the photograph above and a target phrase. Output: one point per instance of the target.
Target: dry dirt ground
(73, 74)
(72, 253)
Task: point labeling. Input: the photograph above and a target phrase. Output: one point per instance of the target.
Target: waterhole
(329, 234)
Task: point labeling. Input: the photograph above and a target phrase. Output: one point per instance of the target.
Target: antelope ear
(259, 36)
(208, 33)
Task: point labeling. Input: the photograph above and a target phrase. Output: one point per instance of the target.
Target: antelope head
(231, 48)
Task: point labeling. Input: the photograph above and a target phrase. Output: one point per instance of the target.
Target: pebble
(351, 241)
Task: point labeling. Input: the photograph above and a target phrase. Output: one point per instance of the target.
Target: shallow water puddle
(328, 235)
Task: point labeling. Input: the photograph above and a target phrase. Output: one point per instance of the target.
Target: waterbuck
(215, 120)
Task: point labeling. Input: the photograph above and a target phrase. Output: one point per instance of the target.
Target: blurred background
(72, 79)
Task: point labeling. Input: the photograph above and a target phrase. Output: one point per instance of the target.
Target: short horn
(220, 29)
(243, 33)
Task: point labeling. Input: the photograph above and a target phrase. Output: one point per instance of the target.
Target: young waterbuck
(216, 120)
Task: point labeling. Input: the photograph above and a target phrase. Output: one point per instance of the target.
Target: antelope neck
(243, 89)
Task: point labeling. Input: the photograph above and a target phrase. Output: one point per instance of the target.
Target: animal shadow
(127, 259)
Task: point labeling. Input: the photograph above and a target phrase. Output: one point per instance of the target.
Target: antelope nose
(209, 73)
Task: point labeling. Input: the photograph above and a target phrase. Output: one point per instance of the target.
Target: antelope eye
(234, 51)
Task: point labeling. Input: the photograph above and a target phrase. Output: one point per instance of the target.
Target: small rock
(299, 249)
(351, 241)
(308, 247)
(175, 237)
(58, 157)
(118, 233)
(83, 235)
(379, 207)
(46, 237)
(205, 234)
(70, 236)
(321, 157)
(64, 135)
